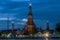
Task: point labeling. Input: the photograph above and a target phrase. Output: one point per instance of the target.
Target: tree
(58, 28)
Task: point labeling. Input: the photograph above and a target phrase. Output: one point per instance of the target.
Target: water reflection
(46, 38)
(35, 39)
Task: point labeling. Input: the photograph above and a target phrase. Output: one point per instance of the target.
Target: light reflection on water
(34, 39)
(46, 38)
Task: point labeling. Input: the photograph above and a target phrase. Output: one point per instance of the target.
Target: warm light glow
(31, 35)
(46, 34)
(46, 38)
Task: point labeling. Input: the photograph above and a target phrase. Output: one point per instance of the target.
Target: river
(34, 39)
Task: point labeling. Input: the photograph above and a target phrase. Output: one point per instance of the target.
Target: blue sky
(17, 11)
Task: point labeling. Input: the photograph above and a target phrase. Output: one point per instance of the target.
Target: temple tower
(30, 26)
(12, 26)
(47, 27)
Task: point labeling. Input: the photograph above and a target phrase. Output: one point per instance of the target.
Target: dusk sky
(17, 11)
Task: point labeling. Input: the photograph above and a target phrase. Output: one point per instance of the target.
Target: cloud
(6, 18)
(5, 15)
(20, 0)
(25, 20)
(22, 21)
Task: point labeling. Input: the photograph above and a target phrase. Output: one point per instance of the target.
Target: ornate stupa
(30, 27)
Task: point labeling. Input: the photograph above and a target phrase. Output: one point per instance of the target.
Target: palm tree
(58, 28)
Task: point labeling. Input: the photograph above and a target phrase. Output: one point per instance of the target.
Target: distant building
(18, 31)
(47, 32)
(12, 33)
(39, 34)
(12, 26)
(47, 27)
(40, 29)
(30, 26)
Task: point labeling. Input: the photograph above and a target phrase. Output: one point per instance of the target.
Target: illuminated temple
(30, 27)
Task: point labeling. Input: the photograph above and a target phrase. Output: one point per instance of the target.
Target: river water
(34, 39)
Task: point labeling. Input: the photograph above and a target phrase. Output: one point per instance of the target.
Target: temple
(30, 26)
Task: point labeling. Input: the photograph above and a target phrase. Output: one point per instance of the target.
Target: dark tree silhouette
(58, 28)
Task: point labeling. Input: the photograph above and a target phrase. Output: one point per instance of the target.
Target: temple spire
(47, 23)
(12, 26)
(30, 9)
(30, 18)
(30, 26)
